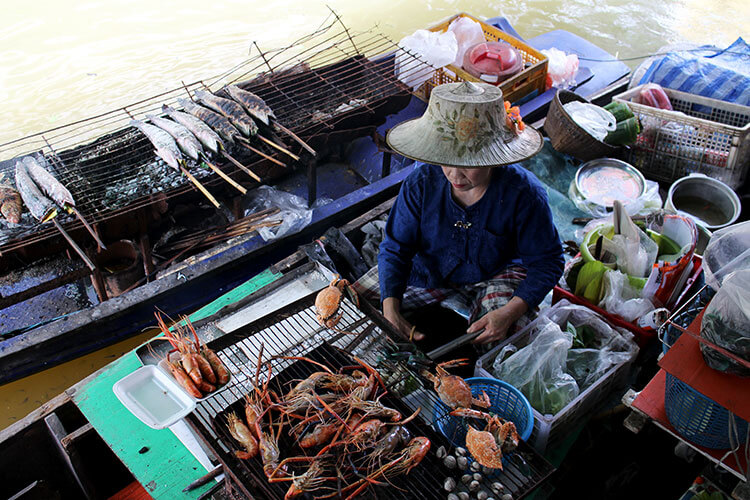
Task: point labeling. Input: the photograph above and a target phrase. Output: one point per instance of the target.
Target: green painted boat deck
(157, 459)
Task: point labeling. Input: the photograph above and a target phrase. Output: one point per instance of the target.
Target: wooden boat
(352, 168)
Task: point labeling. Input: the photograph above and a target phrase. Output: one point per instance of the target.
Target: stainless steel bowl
(604, 180)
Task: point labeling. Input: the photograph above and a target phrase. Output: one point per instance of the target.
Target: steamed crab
(452, 389)
(328, 302)
(487, 446)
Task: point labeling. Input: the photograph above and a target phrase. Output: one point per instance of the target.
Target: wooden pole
(241, 166)
(295, 137)
(224, 176)
(89, 228)
(274, 145)
(246, 144)
(73, 244)
(200, 186)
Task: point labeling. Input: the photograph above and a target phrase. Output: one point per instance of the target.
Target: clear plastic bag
(433, 48)
(468, 33)
(649, 201)
(725, 323)
(622, 298)
(561, 69)
(538, 370)
(727, 251)
(293, 210)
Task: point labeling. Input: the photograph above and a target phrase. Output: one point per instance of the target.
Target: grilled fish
(252, 103)
(185, 139)
(39, 205)
(48, 183)
(198, 127)
(10, 204)
(217, 122)
(229, 109)
(166, 147)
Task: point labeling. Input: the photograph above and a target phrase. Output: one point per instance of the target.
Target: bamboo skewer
(223, 175)
(88, 227)
(280, 148)
(246, 144)
(295, 137)
(73, 244)
(200, 186)
(241, 166)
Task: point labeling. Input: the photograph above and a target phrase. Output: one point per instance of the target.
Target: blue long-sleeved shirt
(511, 224)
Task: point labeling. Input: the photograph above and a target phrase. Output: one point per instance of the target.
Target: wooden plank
(43, 287)
(156, 458)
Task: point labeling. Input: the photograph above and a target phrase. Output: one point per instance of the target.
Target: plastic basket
(530, 81)
(507, 403)
(550, 430)
(698, 418)
(701, 135)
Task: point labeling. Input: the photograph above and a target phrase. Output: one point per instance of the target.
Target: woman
(468, 224)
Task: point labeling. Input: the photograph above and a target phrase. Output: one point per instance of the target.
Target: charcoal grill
(116, 178)
(294, 331)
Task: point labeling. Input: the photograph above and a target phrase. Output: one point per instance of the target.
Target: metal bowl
(604, 180)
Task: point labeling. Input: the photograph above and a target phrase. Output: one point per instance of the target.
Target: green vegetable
(620, 110)
(589, 282)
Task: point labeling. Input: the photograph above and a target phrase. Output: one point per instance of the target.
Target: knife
(453, 344)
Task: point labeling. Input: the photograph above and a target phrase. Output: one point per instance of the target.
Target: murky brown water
(65, 61)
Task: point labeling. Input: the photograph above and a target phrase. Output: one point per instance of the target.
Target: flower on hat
(465, 130)
(513, 118)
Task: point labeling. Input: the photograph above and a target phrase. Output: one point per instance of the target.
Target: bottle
(653, 319)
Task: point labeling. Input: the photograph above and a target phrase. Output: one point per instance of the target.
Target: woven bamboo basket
(566, 136)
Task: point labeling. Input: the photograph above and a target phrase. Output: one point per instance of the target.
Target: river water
(62, 61)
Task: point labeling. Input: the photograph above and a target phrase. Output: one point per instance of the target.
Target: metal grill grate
(294, 332)
(329, 80)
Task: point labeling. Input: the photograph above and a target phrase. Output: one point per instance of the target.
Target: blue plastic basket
(507, 402)
(698, 418)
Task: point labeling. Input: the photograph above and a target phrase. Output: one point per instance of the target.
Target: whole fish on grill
(39, 205)
(166, 147)
(252, 103)
(198, 127)
(186, 141)
(11, 204)
(217, 122)
(231, 110)
(48, 183)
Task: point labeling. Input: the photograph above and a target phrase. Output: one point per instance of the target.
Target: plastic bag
(432, 49)
(374, 235)
(653, 95)
(468, 33)
(725, 323)
(561, 68)
(293, 210)
(727, 251)
(622, 298)
(645, 204)
(537, 370)
(594, 119)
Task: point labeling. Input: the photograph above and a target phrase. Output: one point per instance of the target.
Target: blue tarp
(707, 71)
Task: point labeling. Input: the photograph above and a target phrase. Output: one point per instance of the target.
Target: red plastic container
(492, 62)
(643, 336)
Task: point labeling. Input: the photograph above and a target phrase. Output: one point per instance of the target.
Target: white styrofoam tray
(153, 397)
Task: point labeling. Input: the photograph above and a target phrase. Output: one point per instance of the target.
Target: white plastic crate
(701, 135)
(551, 429)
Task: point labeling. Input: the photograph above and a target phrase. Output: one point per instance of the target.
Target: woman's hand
(392, 313)
(497, 323)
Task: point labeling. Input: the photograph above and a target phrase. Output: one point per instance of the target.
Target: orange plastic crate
(531, 78)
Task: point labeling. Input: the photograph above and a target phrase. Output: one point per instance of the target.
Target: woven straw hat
(464, 126)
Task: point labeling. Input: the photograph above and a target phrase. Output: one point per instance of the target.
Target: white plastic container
(154, 397)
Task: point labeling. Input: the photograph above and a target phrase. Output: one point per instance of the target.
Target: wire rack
(329, 80)
(294, 331)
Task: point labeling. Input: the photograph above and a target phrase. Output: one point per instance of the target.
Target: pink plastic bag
(653, 95)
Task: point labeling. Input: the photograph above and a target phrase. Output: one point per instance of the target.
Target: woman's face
(466, 179)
